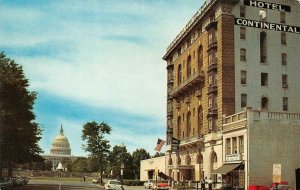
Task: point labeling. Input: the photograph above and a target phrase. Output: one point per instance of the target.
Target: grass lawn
(60, 178)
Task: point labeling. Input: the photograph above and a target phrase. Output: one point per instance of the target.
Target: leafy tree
(93, 164)
(80, 165)
(96, 144)
(137, 156)
(118, 156)
(48, 165)
(67, 163)
(19, 134)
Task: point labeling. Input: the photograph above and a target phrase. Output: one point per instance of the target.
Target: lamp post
(122, 168)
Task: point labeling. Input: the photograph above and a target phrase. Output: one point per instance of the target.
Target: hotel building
(234, 67)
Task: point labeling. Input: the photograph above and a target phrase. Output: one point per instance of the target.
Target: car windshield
(115, 182)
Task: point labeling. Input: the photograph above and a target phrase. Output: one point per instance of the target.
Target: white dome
(60, 145)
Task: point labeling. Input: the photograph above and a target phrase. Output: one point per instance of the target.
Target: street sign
(175, 141)
(175, 148)
(276, 173)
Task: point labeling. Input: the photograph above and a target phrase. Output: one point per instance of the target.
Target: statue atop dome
(61, 130)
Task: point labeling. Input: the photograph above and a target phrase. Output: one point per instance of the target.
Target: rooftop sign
(267, 25)
(266, 5)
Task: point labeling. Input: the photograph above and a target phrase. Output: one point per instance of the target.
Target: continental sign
(267, 25)
(266, 5)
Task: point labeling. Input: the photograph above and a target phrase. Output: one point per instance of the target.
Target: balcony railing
(212, 89)
(212, 112)
(213, 66)
(171, 80)
(170, 113)
(193, 80)
(212, 45)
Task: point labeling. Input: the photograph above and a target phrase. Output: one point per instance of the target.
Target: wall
(273, 139)
(252, 65)
(151, 164)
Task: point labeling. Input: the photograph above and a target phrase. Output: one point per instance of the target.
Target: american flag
(159, 145)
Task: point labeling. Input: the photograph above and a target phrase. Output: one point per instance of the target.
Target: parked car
(96, 180)
(6, 184)
(283, 185)
(17, 181)
(25, 180)
(113, 185)
(148, 184)
(161, 185)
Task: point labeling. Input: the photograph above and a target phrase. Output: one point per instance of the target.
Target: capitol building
(60, 150)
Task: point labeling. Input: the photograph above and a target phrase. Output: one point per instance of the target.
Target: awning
(226, 168)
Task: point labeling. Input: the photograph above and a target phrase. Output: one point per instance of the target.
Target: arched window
(199, 159)
(179, 75)
(200, 58)
(214, 161)
(264, 103)
(189, 67)
(188, 124)
(178, 127)
(200, 120)
(263, 47)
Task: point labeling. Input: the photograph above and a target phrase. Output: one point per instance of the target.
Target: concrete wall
(273, 139)
(151, 164)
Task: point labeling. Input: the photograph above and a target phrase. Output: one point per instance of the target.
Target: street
(67, 185)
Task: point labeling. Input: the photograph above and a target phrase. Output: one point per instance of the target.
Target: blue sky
(95, 60)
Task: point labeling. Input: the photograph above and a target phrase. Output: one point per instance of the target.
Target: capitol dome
(60, 145)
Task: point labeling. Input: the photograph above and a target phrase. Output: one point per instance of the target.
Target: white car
(148, 184)
(113, 185)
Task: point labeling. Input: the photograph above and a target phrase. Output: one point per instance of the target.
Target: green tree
(93, 164)
(80, 165)
(137, 156)
(67, 163)
(94, 136)
(48, 165)
(19, 133)
(118, 156)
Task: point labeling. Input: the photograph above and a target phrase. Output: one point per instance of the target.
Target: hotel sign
(266, 5)
(232, 157)
(267, 25)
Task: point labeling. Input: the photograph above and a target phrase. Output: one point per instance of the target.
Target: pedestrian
(84, 178)
(202, 181)
(210, 184)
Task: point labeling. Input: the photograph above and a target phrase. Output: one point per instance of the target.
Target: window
(263, 15)
(228, 146)
(243, 100)
(189, 67)
(243, 77)
(200, 58)
(188, 124)
(242, 33)
(178, 127)
(212, 57)
(282, 17)
(212, 37)
(242, 11)
(264, 79)
(212, 125)
(283, 59)
(263, 47)
(285, 104)
(179, 75)
(264, 103)
(284, 81)
(234, 145)
(241, 144)
(283, 38)
(243, 54)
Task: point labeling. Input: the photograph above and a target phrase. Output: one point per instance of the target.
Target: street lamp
(122, 168)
